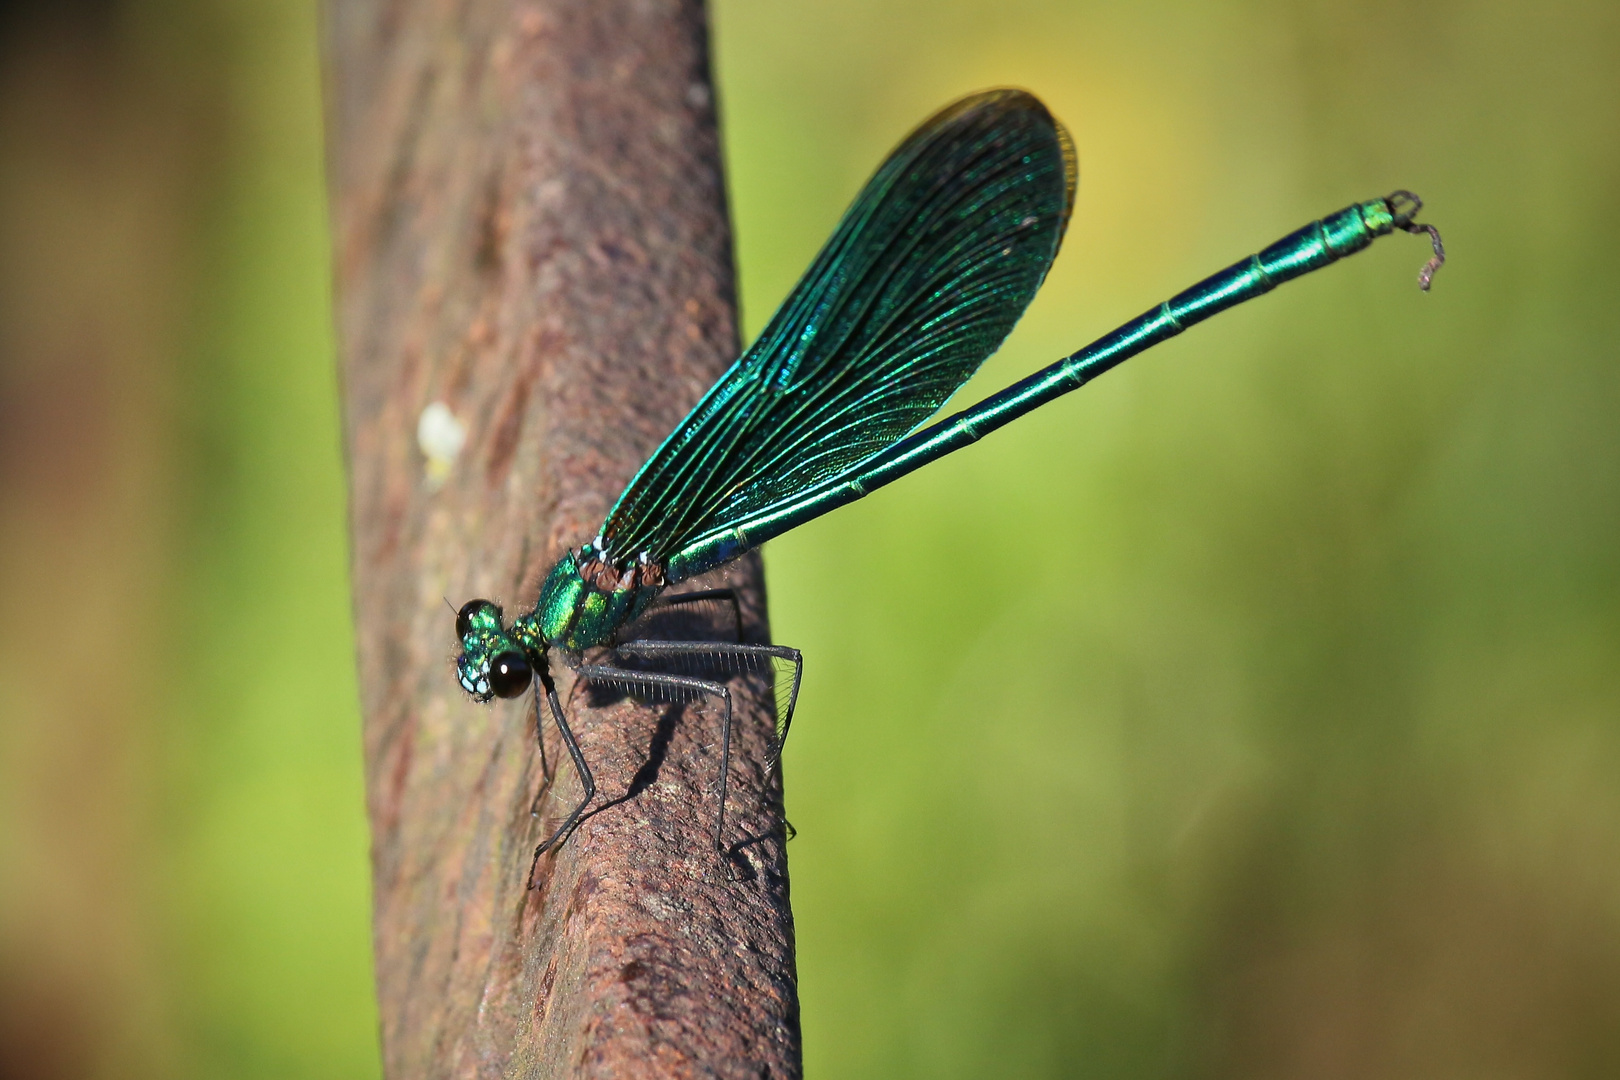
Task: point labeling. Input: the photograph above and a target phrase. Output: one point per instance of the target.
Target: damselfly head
(491, 663)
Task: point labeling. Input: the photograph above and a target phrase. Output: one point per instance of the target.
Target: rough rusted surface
(530, 227)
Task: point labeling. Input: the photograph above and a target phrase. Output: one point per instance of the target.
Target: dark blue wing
(921, 281)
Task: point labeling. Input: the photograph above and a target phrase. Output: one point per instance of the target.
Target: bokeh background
(1253, 713)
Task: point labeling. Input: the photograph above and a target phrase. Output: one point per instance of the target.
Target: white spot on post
(440, 436)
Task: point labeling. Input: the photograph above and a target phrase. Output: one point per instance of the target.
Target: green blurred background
(1254, 713)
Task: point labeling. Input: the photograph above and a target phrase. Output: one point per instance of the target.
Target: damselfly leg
(692, 655)
(664, 686)
(587, 781)
(660, 685)
(677, 605)
(733, 659)
(724, 597)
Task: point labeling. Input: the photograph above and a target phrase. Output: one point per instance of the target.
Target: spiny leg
(545, 763)
(680, 686)
(584, 770)
(741, 657)
(699, 597)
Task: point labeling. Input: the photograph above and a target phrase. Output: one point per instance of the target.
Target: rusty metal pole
(530, 226)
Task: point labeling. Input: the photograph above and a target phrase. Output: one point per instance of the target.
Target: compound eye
(470, 611)
(509, 674)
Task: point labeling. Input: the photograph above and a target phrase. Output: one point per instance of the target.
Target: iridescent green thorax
(586, 599)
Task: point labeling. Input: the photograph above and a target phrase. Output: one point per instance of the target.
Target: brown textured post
(530, 227)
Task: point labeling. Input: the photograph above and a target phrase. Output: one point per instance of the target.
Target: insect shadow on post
(924, 277)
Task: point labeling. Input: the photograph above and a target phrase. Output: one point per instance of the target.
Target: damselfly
(922, 280)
